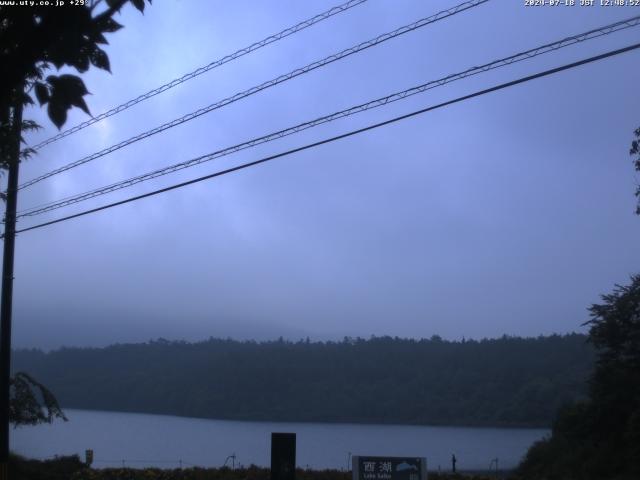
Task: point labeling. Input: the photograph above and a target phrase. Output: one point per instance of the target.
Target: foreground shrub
(60, 468)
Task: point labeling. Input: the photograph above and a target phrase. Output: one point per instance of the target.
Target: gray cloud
(510, 213)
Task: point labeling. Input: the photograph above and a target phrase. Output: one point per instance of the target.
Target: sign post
(283, 456)
(389, 468)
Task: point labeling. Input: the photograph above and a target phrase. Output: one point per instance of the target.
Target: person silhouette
(453, 462)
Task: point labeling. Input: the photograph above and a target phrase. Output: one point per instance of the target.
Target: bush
(60, 468)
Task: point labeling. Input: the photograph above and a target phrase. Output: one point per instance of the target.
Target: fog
(506, 214)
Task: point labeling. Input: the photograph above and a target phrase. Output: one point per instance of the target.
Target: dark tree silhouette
(506, 381)
(33, 40)
(31, 402)
(635, 151)
(615, 384)
(600, 438)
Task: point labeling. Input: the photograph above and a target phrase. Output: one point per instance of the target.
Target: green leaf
(70, 84)
(30, 125)
(57, 113)
(31, 402)
(100, 59)
(81, 62)
(26, 99)
(109, 25)
(27, 153)
(80, 103)
(66, 91)
(57, 62)
(42, 93)
(99, 38)
(139, 4)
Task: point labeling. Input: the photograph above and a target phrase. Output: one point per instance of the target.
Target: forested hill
(501, 382)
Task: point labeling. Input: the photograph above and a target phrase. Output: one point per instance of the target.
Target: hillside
(499, 382)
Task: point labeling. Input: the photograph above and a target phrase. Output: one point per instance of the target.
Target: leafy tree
(635, 150)
(33, 40)
(600, 438)
(37, 38)
(615, 384)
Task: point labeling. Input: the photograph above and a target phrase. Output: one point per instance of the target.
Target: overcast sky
(506, 214)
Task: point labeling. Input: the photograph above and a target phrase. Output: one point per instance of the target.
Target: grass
(71, 468)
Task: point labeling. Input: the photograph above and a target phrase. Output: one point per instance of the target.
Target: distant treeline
(508, 381)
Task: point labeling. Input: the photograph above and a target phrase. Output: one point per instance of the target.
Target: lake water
(157, 440)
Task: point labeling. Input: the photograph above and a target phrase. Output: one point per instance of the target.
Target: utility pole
(7, 283)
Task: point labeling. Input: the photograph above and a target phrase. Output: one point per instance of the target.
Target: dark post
(283, 456)
(88, 457)
(7, 290)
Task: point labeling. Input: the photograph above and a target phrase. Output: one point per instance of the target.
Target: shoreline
(523, 426)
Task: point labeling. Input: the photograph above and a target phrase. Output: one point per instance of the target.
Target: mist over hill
(509, 381)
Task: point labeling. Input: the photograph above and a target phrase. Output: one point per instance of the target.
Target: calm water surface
(158, 440)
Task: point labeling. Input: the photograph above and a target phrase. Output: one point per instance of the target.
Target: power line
(216, 63)
(344, 135)
(531, 53)
(253, 90)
